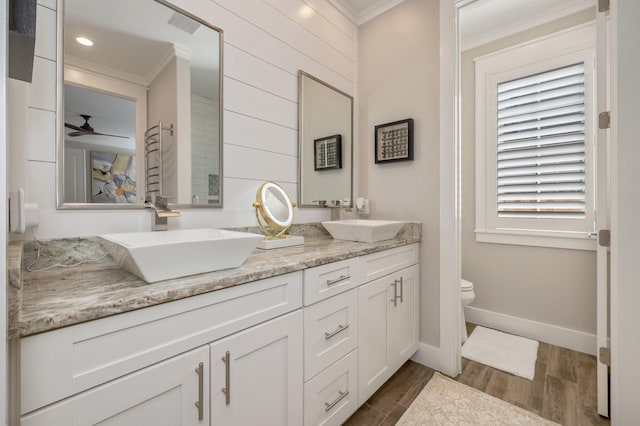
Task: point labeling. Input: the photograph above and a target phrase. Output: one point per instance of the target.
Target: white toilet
(466, 296)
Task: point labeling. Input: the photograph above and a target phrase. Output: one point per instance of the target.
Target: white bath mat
(513, 354)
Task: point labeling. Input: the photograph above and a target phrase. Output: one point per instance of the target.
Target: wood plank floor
(563, 389)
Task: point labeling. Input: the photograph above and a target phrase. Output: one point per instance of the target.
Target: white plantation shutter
(541, 145)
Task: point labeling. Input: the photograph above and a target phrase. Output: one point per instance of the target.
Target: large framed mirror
(140, 106)
(325, 120)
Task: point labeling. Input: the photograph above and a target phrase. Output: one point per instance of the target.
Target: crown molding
(365, 15)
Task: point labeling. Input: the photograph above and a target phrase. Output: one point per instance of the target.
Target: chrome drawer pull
(401, 290)
(227, 376)
(329, 406)
(340, 328)
(395, 293)
(339, 279)
(200, 403)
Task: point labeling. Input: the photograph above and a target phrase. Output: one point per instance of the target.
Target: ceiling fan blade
(86, 129)
(106, 134)
(85, 133)
(71, 126)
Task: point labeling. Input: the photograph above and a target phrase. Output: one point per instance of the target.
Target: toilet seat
(466, 285)
(467, 296)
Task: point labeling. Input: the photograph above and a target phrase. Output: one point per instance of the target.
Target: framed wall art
(113, 178)
(394, 141)
(327, 152)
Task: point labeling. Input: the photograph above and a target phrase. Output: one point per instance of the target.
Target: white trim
(521, 26)
(571, 241)
(450, 196)
(529, 43)
(559, 336)
(175, 51)
(432, 357)
(376, 9)
(365, 15)
(346, 9)
(555, 50)
(78, 63)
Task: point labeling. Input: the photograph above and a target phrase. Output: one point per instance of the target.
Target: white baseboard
(433, 357)
(559, 336)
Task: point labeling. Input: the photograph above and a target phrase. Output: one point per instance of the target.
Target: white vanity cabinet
(359, 329)
(171, 393)
(122, 366)
(304, 348)
(256, 374)
(388, 331)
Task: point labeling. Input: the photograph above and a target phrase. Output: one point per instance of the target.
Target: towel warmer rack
(153, 159)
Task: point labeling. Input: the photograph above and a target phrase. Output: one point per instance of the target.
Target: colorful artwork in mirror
(113, 178)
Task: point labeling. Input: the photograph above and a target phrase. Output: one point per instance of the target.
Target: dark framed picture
(394, 141)
(327, 153)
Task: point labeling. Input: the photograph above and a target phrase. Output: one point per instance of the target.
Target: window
(535, 142)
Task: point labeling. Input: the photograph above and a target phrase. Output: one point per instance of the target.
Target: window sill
(571, 241)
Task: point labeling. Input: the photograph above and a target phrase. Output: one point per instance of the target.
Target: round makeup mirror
(274, 210)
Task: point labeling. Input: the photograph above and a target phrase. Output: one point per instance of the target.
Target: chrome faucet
(160, 206)
(334, 205)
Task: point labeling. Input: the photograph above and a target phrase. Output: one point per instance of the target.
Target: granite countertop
(44, 300)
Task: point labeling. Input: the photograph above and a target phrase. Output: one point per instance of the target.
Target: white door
(256, 374)
(164, 394)
(76, 175)
(373, 357)
(403, 317)
(602, 214)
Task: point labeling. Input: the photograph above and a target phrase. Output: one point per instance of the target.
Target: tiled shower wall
(265, 44)
(204, 156)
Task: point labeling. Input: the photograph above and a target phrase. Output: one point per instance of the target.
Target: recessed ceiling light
(84, 41)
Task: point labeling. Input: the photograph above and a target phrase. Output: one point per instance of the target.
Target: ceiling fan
(86, 129)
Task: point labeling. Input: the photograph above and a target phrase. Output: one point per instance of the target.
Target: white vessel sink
(367, 231)
(156, 256)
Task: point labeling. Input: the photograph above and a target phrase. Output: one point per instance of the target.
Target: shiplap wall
(266, 42)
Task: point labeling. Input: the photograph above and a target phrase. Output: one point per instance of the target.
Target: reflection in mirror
(110, 157)
(325, 144)
(148, 63)
(274, 213)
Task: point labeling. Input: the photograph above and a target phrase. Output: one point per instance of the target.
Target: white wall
(399, 78)
(555, 287)
(625, 251)
(265, 44)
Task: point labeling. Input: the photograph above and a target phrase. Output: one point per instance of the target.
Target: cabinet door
(373, 361)
(163, 394)
(403, 317)
(256, 374)
(388, 327)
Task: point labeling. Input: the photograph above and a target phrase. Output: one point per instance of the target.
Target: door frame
(450, 194)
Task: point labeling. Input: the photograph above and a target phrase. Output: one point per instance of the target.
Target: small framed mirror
(274, 213)
(325, 139)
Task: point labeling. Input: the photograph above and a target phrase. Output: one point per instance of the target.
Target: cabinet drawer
(331, 279)
(330, 331)
(379, 264)
(331, 397)
(63, 362)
